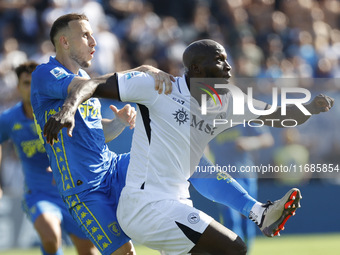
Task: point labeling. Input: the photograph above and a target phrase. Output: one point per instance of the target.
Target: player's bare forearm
(293, 113)
(79, 90)
(112, 128)
(320, 103)
(82, 89)
(108, 87)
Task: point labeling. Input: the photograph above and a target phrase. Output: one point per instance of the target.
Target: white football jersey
(170, 134)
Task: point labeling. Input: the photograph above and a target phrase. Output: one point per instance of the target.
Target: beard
(81, 62)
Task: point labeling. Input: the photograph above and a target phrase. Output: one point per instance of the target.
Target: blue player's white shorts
(95, 209)
(169, 225)
(36, 203)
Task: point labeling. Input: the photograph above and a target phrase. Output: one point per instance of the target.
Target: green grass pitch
(325, 244)
(322, 244)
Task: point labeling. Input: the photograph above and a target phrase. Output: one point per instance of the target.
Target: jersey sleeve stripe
(146, 120)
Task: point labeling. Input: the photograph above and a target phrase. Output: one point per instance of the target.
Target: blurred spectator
(10, 57)
(108, 56)
(292, 153)
(43, 53)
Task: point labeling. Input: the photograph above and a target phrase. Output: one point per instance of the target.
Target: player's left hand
(321, 103)
(126, 115)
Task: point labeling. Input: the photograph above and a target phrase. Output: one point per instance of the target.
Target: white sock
(256, 213)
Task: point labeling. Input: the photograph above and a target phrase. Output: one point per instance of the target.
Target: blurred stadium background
(297, 42)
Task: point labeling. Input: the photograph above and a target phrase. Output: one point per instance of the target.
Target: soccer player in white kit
(154, 208)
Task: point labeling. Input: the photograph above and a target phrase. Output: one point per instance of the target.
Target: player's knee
(240, 248)
(243, 250)
(125, 249)
(49, 232)
(88, 249)
(50, 242)
(237, 247)
(50, 245)
(83, 246)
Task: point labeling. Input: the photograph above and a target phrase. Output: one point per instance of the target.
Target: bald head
(206, 59)
(198, 51)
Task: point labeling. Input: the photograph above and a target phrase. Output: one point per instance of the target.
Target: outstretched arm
(81, 89)
(320, 103)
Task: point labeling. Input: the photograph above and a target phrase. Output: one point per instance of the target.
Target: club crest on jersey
(58, 72)
(181, 116)
(114, 228)
(193, 218)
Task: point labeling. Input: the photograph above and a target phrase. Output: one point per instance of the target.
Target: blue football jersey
(16, 126)
(78, 162)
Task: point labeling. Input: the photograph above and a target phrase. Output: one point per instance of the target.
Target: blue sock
(59, 251)
(221, 188)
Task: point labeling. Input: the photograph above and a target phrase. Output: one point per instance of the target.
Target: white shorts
(172, 226)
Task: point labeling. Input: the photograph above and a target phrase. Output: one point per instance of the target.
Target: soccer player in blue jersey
(89, 176)
(42, 202)
(154, 207)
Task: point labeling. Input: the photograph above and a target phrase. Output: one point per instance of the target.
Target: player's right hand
(162, 79)
(321, 103)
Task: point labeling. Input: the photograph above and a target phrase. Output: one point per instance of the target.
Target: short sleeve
(137, 87)
(53, 81)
